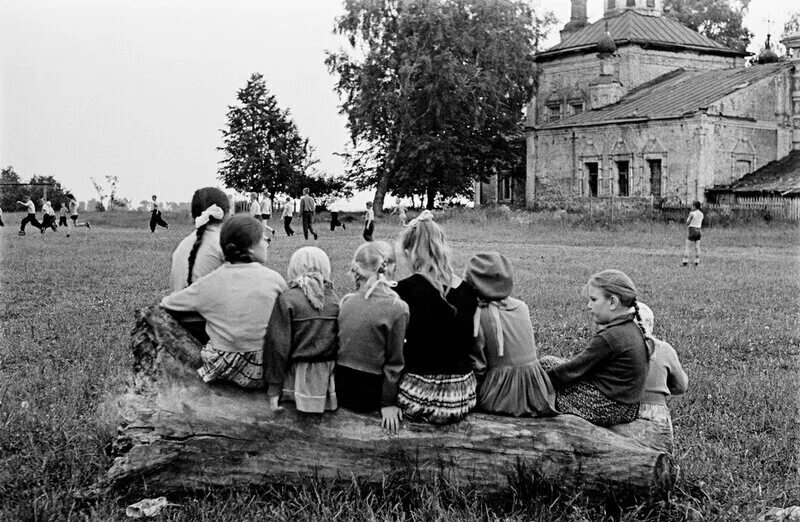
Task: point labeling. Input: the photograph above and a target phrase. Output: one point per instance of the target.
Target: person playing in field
(605, 382)
(155, 216)
(510, 379)
(1, 218)
(400, 210)
(288, 214)
(437, 385)
(256, 210)
(72, 205)
(302, 339)
(48, 216)
(30, 217)
(266, 207)
(695, 223)
(62, 215)
(307, 208)
(664, 378)
(369, 222)
(236, 301)
(372, 328)
(334, 208)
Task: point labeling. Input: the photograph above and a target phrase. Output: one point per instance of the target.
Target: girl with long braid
(200, 253)
(236, 301)
(604, 383)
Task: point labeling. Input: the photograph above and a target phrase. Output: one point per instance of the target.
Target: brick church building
(639, 108)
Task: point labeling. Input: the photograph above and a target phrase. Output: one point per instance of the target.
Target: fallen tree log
(179, 433)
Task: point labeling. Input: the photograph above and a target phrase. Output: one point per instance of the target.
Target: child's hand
(273, 403)
(390, 418)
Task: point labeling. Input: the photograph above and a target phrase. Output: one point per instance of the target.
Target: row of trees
(433, 92)
(14, 189)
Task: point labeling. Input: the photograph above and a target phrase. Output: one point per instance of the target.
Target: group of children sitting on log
(431, 347)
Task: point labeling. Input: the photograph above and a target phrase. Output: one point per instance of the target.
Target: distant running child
(695, 223)
(155, 216)
(664, 378)
(308, 208)
(72, 205)
(288, 214)
(400, 210)
(510, 379)
(335, 222)
(48, 216)
(30, 217)
(372, 328)
(62, 215)
(302, 339)
(266, 207)
(1, 218)
(438, 385)
(236, 301)
(369, 222)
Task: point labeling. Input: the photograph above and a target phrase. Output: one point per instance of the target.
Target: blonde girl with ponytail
(372, 327)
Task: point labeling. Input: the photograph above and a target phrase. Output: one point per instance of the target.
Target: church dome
(768, 55)
(606, 45)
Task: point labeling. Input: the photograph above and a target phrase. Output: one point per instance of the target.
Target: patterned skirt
(585, 400)
(311, 386)
(245, 369)
(436, 399)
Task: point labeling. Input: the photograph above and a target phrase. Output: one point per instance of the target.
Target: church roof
(631, 27)
(674, 95)
(782, 176)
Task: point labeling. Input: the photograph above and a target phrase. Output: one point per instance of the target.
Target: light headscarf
(206, 215)
(310, 270)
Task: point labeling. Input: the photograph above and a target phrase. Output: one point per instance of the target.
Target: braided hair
(372, 260)
(617, 283)
(201, 200)
(238, 236)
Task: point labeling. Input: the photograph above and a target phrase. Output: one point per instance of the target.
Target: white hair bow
(425, 215)
(204, 217)
(381, 280)
(494, 311)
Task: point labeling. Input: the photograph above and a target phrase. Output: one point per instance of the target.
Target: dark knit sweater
(615, 362)
(439, 333)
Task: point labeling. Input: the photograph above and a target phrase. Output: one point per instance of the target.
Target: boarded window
(742, 168)
(623, 178)
(631, 3)
(591, 170)
(577, 107)
(611, 4)
(651, 3)
(655, 179)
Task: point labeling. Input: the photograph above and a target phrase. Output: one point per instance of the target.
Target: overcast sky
(140, 88)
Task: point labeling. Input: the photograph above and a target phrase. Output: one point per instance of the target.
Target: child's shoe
(696, 262)
(685, 262)
(88, 225)
(21, 233)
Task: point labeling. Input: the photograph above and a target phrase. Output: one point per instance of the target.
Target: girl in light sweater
(236, 301)
(372, 327)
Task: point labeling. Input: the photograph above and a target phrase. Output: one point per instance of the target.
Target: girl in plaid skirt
(438, 385)
(236, 301)
(605, 382)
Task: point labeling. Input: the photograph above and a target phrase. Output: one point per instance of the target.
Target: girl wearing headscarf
(302, 339)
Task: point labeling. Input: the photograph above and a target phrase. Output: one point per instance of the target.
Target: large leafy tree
(720, 20)
(263, 150)
(434, 90)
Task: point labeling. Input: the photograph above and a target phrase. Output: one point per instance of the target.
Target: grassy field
(67, 307)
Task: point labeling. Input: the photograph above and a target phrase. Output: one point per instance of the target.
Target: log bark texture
(179, 433)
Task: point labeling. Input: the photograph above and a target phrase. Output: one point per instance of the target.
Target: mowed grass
(67, 310)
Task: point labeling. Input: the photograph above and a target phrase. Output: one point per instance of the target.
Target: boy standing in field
(62, 214)
(155, 216)
(307, 207)
(369, 222)
(694, 222)
(30, 218)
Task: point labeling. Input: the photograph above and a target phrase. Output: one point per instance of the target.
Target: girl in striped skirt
(438, 385)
